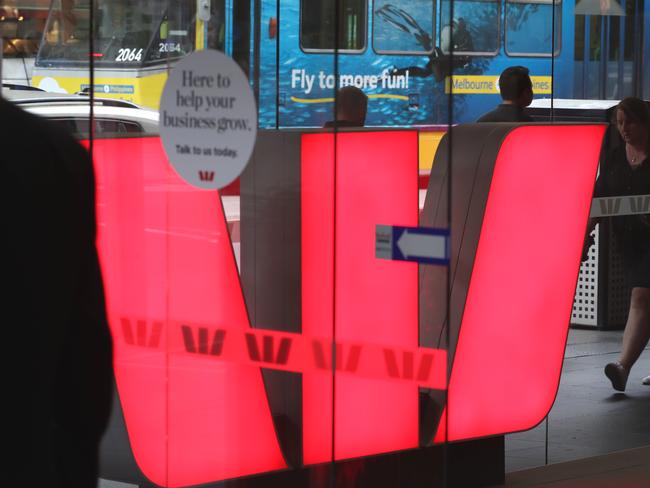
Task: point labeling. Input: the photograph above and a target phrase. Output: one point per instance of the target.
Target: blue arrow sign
(418, 244)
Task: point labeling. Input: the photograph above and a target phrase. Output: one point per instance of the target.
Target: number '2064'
(125, 55)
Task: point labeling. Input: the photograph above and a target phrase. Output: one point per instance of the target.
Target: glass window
(631, 28)
(474, 28)
(396, 30)
(317, 25)
(103, 127)
(579, 48)
(217, 25)
(595, 37)
(21, 26)
(66, 34)
(177, 31)
(529, 27)
(614, 38)
(123, 31)
(107, 126)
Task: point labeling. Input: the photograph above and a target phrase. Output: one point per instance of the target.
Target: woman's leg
(637, 328)
(635, 338)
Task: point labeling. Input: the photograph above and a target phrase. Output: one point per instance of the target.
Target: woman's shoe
(646, 380)
(617, 374)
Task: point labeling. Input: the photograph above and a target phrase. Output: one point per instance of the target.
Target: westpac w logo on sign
(206, 175)
(640, 204)
(623, 205)
(610, 206)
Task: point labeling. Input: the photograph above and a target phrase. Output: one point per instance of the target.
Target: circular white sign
(208, 119)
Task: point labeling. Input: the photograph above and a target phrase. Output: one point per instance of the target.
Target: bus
(133, 43)
(407, 55)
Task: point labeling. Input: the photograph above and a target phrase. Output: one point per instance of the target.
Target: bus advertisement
(408, 56)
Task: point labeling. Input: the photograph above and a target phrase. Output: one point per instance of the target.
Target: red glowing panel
(317, 226)
(509, 356)
(166, 256)
(375, 302)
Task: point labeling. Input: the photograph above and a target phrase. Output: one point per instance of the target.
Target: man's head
(515, 86)
(352, 105)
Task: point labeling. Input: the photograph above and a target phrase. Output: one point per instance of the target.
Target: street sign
(419, 244)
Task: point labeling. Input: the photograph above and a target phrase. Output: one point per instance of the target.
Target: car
(112, 117)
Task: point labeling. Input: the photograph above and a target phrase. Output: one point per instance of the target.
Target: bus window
(117, 127)
(103, 127)
(21, 26)
(474, 30)
(123, 29)
(66, 32)
(317, 28)
(176, 34)
(217, 25)
(395, 29)
(529, 27)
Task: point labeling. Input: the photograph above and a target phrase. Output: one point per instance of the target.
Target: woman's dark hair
(635, 110)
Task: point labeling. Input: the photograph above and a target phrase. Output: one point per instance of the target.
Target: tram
(407, 55)
(133, 43)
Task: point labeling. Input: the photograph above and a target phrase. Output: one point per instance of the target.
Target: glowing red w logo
(193, 399)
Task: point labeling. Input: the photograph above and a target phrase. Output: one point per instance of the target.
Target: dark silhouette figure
(351, 108)
(57, 347)
(516, 90)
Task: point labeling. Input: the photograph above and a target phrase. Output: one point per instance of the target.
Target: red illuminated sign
(166, 256)
(371, 297)
(509, 356)
(187, 362)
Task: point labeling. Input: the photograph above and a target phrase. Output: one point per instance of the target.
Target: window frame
(558, 47)
(434, 19)
(364, 24)
(476, 53)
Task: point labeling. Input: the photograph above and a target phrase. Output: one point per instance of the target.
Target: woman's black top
(618, 178)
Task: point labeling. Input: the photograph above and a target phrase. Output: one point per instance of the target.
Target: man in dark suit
(516, 90)
(57, 346)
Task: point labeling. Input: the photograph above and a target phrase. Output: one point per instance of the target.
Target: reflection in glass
(529, 28)
(474, 28)
(405, 29)
(21, 29)
(21, 26)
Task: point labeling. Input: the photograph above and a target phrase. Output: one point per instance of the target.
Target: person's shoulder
(15, 119)
(524, 117)
(17, 123)
(36, 150)
(491, 116)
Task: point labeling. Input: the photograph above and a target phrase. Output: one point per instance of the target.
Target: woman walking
(627, 172)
